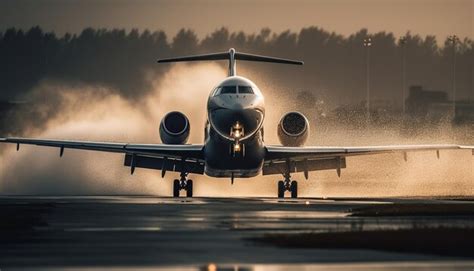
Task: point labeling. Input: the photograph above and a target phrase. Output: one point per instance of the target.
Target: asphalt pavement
(146, 232)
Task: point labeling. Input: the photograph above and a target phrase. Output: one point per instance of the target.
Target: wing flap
(166, 164)
(280, 167)
(167, 150)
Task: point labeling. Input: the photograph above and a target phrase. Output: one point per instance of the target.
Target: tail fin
(231, 55)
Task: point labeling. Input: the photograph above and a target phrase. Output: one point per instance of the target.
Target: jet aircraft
(234, 145)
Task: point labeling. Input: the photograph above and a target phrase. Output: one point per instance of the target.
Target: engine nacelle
(293, 129)
(174, 128)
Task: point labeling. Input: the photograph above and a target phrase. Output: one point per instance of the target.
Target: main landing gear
(287, 185)
(183, 184)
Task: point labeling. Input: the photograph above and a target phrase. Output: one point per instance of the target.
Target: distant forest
(334, 64)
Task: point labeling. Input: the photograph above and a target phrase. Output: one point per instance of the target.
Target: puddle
(359, 266)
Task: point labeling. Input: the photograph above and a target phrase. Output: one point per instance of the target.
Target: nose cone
(223, 119)
(225, 111)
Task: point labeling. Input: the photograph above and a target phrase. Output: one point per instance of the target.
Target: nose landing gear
(183, 184)
(287, 185)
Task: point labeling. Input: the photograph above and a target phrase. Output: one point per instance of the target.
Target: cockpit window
(228, 90)
(245, 90)
(232, 90)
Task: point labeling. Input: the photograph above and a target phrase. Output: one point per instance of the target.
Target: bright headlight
(237, 131)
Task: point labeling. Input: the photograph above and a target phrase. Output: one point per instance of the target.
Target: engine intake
(293, 129)
(174, 128)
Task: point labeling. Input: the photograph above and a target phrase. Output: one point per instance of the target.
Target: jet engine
(174, 128)
(293, 129)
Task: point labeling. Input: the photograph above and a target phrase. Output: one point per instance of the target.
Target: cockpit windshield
(233, 90)
(227, 90)
(245, 90)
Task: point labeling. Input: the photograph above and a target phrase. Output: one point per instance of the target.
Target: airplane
(234, 145)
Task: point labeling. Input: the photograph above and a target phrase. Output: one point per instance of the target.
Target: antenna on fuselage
(232, 56)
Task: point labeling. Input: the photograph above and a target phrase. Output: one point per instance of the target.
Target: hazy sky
(437, 17)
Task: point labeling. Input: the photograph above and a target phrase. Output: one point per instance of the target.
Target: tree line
(335, 65)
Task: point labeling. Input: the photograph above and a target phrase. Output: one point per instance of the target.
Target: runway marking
(297, 214)
(107, 229)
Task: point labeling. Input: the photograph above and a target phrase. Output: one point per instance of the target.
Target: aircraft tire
(281, 189)
(189, 189)
(294, 189)
(176, 188)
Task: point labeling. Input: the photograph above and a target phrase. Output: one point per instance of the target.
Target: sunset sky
(424, 17)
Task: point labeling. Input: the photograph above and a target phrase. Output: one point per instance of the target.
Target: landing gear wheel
(294, 189)
(189, 189)
(176, 188)
(287, 184)
(281, 189)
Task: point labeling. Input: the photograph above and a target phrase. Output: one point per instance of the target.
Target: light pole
(453, 39)
(403, 42)
(367, 45)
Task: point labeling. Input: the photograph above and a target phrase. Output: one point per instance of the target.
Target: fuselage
(234, 129)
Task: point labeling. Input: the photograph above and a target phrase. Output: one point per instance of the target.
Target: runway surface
(144, 232)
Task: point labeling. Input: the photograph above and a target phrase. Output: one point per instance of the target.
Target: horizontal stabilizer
(232, 56)
(259, 58)
(217, 56)
(226, 56)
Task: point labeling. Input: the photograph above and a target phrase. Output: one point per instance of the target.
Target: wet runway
(199, 234)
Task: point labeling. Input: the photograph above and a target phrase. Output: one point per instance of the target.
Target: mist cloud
(91, 112)
(98, 113)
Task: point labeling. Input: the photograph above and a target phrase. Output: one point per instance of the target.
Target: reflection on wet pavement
(383, 266)
(192, 234)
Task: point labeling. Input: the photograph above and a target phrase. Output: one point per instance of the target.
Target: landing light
(237, 148)
(237, 131)
(212, 267)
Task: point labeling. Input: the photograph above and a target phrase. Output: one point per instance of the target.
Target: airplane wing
(154, 156)
(279, 159)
